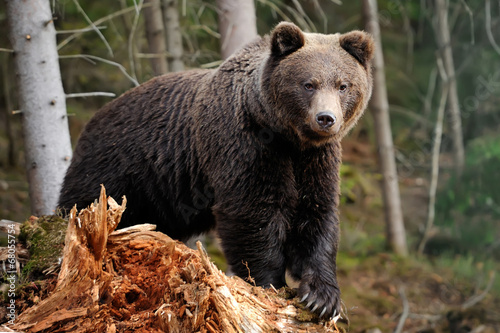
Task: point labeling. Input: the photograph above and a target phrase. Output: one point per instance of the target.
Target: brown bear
(250, 149)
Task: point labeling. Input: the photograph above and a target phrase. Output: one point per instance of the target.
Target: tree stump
(139, 280)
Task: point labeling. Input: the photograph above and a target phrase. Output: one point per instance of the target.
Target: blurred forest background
(453, 286)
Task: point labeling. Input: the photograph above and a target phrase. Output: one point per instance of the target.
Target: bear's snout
(326, 119)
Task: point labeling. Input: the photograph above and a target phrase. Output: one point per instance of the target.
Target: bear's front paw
(320, 297)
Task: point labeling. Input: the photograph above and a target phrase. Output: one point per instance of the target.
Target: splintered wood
(139, 280)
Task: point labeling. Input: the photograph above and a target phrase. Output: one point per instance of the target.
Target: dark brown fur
(238, 149)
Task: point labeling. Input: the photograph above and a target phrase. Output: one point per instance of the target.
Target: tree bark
(173, 35)
(41, 99)
(379, 107)
(237, 24)
(444, 45)
(136, 279)
(155, 34)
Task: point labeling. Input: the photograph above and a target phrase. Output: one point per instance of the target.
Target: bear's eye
(343, 87)
(309, 87)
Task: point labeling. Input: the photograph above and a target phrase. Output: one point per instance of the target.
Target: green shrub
(469, 207)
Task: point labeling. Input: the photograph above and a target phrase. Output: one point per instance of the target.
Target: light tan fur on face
(326, 101)
(311, 73)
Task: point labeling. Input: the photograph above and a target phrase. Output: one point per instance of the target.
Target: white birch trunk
(379, 106)
(41, 99)
(173, 35)
(237, 24)
(444, 44)
(155, 34)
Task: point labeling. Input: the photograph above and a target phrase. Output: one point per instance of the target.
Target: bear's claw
(320, 298)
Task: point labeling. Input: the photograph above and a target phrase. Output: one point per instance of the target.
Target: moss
(305, 315)
(287, 293)
(44, 238)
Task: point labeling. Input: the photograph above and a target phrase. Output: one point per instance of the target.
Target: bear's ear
(286, 38)
(360, 45)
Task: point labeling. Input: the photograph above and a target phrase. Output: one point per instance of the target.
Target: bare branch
(410, 114)
(430, 92)
(479, 297)
(94, 27)
(212, 64)
(303, 16)
(99, 21)
(409, 33)
(152, 55)
(207, 29)
(406, 311)
(90, 94)
(488, 27)
(131, 38)
(471, 19)
(75, 31)
(321, 13)
(438, 133)
(6, 50)
(442, 70)
(275, 8)
(89, 58)
(428, 317)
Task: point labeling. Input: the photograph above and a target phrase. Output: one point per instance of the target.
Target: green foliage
(469, 206)
(357, 240)
(469, 268)
(355, 183)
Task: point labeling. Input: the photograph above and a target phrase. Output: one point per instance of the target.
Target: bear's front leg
(311, 258)
(312, 246)
(253, 246)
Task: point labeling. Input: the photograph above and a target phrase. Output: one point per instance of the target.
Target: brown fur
(240, 149)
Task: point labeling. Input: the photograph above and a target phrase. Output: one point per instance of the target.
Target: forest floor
(445, 293)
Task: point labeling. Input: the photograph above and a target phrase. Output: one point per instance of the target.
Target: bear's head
(317, 85)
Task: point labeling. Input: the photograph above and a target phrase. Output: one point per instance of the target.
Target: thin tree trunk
(444, 44)
(438, 134)
(237, 24)
(173, 35)
(155, 34)
(379, 106)
(41, 99)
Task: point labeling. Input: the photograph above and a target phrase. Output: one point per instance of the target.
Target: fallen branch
(479, 297)
(406, 311)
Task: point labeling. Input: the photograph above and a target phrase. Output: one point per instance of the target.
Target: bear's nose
(325, 119)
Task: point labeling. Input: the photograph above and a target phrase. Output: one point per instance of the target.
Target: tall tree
(237, 24)
(41, 99)
(173, 34)
(444, 45)
(379, 107)
(155, 34)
